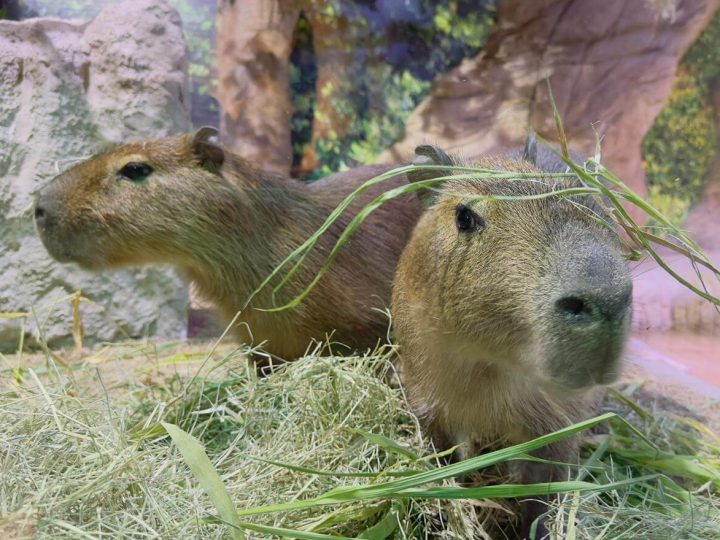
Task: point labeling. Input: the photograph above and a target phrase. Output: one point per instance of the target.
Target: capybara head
(142, 202)
(505, 274)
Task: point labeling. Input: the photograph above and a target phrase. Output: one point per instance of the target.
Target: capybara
(507, 312)
(187, 201)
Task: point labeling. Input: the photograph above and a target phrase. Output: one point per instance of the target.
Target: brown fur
(485, 358)
(227, 225)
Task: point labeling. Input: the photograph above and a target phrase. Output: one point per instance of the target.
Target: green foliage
(198, 19)
(393, 95)
(679, 147)
(402, 92)
(471, 28)
(703, 59)
(75, 9)
(392, 71)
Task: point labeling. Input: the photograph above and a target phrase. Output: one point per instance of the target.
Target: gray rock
(68, 89)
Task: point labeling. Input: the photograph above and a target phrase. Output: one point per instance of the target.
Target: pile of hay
(83, 454)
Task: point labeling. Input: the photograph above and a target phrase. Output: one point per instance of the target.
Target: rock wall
(68, 88)
(611, 64)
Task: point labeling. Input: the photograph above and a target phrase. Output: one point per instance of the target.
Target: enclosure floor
(689, 359)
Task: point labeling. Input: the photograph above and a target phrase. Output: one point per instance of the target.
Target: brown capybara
(508, 312)
(189, 202)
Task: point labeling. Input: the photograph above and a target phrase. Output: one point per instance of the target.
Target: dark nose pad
(594, 307)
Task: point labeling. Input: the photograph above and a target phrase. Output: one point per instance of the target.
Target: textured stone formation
(611, 64)
(67, 89)
(254, 43)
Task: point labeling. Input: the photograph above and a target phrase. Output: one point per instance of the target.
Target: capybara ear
(428, 154)
(207, 149)
(530, 151)
(544, 158)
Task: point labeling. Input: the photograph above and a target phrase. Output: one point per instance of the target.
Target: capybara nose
(595, 306)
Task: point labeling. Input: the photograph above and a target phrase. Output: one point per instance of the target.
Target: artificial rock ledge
(68, 88)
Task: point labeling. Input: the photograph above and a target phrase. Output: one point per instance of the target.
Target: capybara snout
(520, 275)
(586, 302)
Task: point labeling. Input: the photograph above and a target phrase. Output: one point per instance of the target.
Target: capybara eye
(467, 220)
(136, 171)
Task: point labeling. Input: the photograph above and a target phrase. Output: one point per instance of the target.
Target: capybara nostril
(574, 308)
(588, 307)
(40, 214)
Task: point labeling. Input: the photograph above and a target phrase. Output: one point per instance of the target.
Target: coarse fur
(504, 329)
(226, 225)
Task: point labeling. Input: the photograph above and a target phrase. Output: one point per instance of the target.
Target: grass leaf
(194, 455)
(389, 445)
(403, 487)
(383, 528)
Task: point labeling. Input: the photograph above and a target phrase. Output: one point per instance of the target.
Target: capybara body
(507, 312)
(188, 202)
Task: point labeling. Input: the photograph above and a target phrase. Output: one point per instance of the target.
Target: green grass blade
(389, 445)
(385, 527)
(391, 488)
(336, 474)
(344, 515)
(558, 121)
(287, 533)
(672, 464)
(14, 315)
(194, 455)
(512, 491)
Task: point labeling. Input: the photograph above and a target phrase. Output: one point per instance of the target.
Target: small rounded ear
(207, 149)
(530, 151)
(544, 158)
(428, 154)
